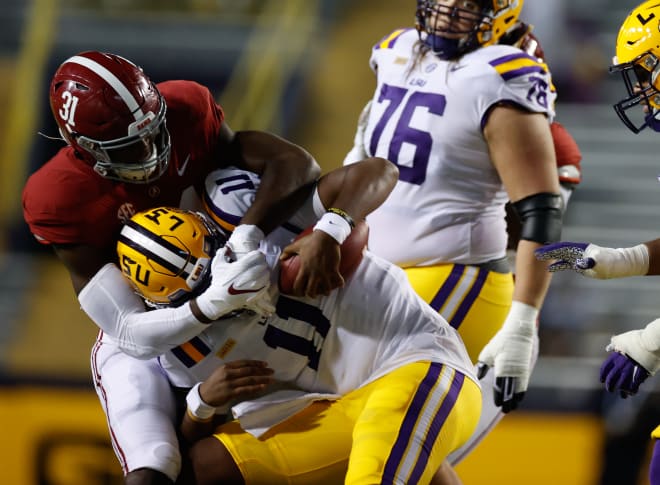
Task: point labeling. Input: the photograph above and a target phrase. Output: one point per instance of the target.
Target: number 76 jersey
(427, 116)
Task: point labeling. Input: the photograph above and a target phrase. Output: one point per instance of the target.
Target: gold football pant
(395, 430)
(473, 300)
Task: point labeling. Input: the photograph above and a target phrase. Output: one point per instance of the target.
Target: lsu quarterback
(389, 400)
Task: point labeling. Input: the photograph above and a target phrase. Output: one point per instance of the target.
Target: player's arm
(345, 195)
(359, 150)
(359, 188)
(107, 298)
(529, 174)
(229, 383)
(287, 173)
(569, 156)
(82, 262)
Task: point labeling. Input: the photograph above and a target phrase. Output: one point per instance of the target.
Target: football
(351, 256)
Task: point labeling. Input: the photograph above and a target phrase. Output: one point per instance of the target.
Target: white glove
(244, 239)
(643, 346)
(510, 353)
(241, 284)
(595, 261)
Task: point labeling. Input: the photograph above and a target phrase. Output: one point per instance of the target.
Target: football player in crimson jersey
(132, 145)
(467, 118)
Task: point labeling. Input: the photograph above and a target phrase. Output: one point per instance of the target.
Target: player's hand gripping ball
(351, 255)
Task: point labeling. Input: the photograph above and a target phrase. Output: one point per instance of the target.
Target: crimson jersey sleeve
(66, 202)
(568, 154)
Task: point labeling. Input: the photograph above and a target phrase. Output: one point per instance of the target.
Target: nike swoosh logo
(235, 291)
(456, 67)
(180, 170)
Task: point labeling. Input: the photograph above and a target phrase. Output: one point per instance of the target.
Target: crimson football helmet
(166, 254)
(112, 115)
(638, 60)
(453, 27)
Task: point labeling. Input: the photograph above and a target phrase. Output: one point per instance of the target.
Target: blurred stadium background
(299, 68)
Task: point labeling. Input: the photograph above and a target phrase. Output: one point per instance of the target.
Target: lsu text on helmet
(638, 60)
(453, 27)
(113, 116)
(166, 254)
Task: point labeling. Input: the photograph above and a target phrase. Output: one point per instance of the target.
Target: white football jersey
(333, 344)
(427, 115)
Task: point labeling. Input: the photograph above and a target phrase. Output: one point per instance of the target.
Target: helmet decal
(166, 254)
(119, 87)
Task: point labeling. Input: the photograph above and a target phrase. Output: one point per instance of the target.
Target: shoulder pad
(228, 194)
(518, 64)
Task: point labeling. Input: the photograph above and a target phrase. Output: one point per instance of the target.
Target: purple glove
(569, 255)
(620, 372)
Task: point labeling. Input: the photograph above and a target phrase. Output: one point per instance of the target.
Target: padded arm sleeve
(113, 305)
(541, 217)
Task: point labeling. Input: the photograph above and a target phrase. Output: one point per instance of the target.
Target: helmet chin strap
(50, 137)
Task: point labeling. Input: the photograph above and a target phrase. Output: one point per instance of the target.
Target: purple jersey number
(311, 348)
(234, 182)
(413, 171)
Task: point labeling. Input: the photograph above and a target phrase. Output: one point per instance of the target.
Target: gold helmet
(488, 21)
(637, 59)
(166, 254)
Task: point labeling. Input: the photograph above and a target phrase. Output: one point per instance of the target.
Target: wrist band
(334, 225)
(344, 214)
(198, 410)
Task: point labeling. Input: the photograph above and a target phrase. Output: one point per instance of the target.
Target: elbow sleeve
(540, 217)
